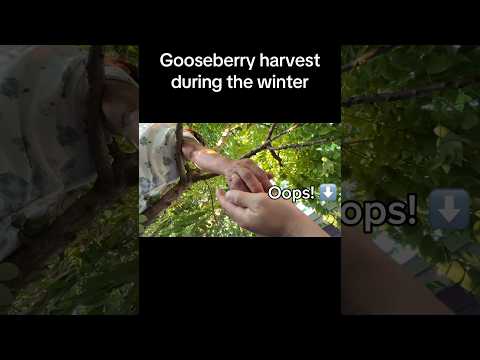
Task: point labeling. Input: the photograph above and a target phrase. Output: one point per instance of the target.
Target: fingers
(248, 176)
(241, 198)
(250, 179)
(235, 183)
(235, 212)
(261, 175)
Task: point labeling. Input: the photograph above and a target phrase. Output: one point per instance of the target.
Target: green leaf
(470, 120)
(450, 152)
(461, 100)
(437, 63)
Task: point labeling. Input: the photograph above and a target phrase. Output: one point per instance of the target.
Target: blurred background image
(411, 124)
(67, 245)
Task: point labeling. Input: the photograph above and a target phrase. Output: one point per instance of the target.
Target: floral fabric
(158, 171)
(45, 160)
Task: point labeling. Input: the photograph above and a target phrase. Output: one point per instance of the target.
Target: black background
(319, 102)
(274, 279)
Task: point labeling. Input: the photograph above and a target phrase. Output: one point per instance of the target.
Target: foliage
(416, 144)
(97, 274)
(8, 272)
(198, 212)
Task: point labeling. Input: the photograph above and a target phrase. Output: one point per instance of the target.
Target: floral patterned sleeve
(158, 171)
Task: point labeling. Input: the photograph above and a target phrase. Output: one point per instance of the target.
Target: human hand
(246, 175)
(258, 213)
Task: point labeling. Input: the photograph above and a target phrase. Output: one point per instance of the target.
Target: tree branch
(267, 143)
(297, 146)
(212, 201)
(409, 94)
(168, 199)
(347, 143)
(95, 117)
(270, 132)
(179, 154)
(276, 157)
(289, 130)
(367, 57)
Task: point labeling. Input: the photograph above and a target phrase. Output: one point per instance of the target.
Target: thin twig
(270, 132)
(367, 57)
(408, 94)
(212, 202)
(297, 146)
(267, 140)
(357, 142)
(267, 143)
(277, 157)
(289, 130)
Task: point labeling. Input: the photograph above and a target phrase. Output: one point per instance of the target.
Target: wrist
(226, 165)
(296, 225)
(302, 225)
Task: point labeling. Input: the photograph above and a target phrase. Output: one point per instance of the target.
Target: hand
(262, 215)
(245, 175)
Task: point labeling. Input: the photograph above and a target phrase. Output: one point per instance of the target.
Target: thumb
(236, 213)
(241, 198)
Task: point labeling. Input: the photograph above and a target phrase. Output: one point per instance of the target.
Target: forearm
(372, 283)
(206, 159)
(303, 226)
(303, 229)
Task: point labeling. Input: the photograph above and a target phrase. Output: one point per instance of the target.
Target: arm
(206, 159)
(242, 175)
(266, 217)
(372, 283)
